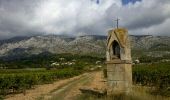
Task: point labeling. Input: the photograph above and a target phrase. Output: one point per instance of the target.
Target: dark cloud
(29, 17)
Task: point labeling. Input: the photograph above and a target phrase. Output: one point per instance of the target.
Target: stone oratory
(118, 60)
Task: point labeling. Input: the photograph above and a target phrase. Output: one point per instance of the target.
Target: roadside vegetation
(17, 75)
(150, 59)
(20, 74)
(15, 82)
(151, 81)
(44, 60)
(155, 75)
(153, 72)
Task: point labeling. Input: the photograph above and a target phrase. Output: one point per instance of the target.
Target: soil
(66, 89)
(40, 90)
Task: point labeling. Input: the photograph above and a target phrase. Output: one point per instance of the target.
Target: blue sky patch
(124, 2)
(97, 1)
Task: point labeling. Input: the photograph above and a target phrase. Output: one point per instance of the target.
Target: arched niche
(115, 47)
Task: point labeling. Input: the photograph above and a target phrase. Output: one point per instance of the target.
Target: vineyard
(18, 75)
(155, 75)
(14, 82)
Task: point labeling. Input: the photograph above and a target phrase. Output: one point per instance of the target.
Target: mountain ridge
(87, 44)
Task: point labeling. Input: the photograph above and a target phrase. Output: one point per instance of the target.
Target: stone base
(119, 78)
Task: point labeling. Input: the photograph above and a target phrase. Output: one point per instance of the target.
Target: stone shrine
(118, 60)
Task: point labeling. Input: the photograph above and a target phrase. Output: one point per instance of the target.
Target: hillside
(90, 44)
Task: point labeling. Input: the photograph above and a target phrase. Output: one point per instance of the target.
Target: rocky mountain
(53, 44)
(89, 44)
(149, 42)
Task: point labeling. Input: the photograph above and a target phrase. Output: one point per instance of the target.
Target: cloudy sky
(76, 17)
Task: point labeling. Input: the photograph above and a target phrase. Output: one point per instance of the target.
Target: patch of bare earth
(95, 81)
(40, 90)
(75, 90)
(67, 89)
(99, 82)
(71, 90)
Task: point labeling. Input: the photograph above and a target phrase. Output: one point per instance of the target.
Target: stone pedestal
(119, 77)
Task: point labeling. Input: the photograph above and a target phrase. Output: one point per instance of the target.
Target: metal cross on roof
(117, 20)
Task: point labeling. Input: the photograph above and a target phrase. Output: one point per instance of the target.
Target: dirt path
(66, 89)
(71, 90)
(39, 90)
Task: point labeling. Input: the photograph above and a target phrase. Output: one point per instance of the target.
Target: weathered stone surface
(116, 76)
(118, 55)
(116, 68)
(117, 85)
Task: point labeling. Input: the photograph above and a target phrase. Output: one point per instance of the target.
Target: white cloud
(28, 17)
